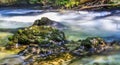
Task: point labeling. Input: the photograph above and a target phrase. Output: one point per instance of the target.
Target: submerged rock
(90, 45)
(62, 59)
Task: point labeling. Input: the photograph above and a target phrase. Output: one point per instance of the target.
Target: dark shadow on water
(26, 14)
(10, 30)
(20, 12)
(112, 13)
(111, 38)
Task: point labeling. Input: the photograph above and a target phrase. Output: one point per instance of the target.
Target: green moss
(92, 41)
(43, 21)
(37, 34)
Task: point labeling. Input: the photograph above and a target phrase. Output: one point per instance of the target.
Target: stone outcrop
(47, 22)
(37, 35)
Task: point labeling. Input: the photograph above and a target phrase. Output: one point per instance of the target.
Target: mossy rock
(91, 45)
(40, 40)
(44, 41)
(92, 41)
(43, 21)
(37, 35)
(47, 22)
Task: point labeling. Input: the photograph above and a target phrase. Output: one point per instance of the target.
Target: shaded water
(12, 60)
(99, 60)
(79, 25)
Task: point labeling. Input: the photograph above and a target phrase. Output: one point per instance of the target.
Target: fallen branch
(96, 6)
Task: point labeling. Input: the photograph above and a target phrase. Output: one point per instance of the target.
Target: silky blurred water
(80, 24)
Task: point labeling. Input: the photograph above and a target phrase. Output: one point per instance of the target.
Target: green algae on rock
(42, 31)
(91, 45)
(37, 34)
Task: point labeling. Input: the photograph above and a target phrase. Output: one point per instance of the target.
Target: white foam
(88, 22)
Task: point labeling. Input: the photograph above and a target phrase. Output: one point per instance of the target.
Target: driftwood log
(97, 6)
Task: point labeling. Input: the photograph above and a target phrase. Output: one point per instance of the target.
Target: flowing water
(99, 60)
(79, 25)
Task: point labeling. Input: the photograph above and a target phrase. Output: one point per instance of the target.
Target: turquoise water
(99, 60)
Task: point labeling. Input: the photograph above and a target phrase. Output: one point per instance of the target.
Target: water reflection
(19, 12)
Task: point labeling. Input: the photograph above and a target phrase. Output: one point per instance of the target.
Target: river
(79, 25)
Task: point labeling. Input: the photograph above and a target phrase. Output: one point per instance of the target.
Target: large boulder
(43, 21)
(47, 22)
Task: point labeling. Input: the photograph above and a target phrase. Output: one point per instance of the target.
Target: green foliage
(61, 2)
(56, 3)
(72, 3)
(114, 1)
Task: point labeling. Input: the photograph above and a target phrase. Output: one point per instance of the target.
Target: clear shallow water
(12, 60)
(80, 24)
(99, 60)
(12, 24)
(3, 38)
